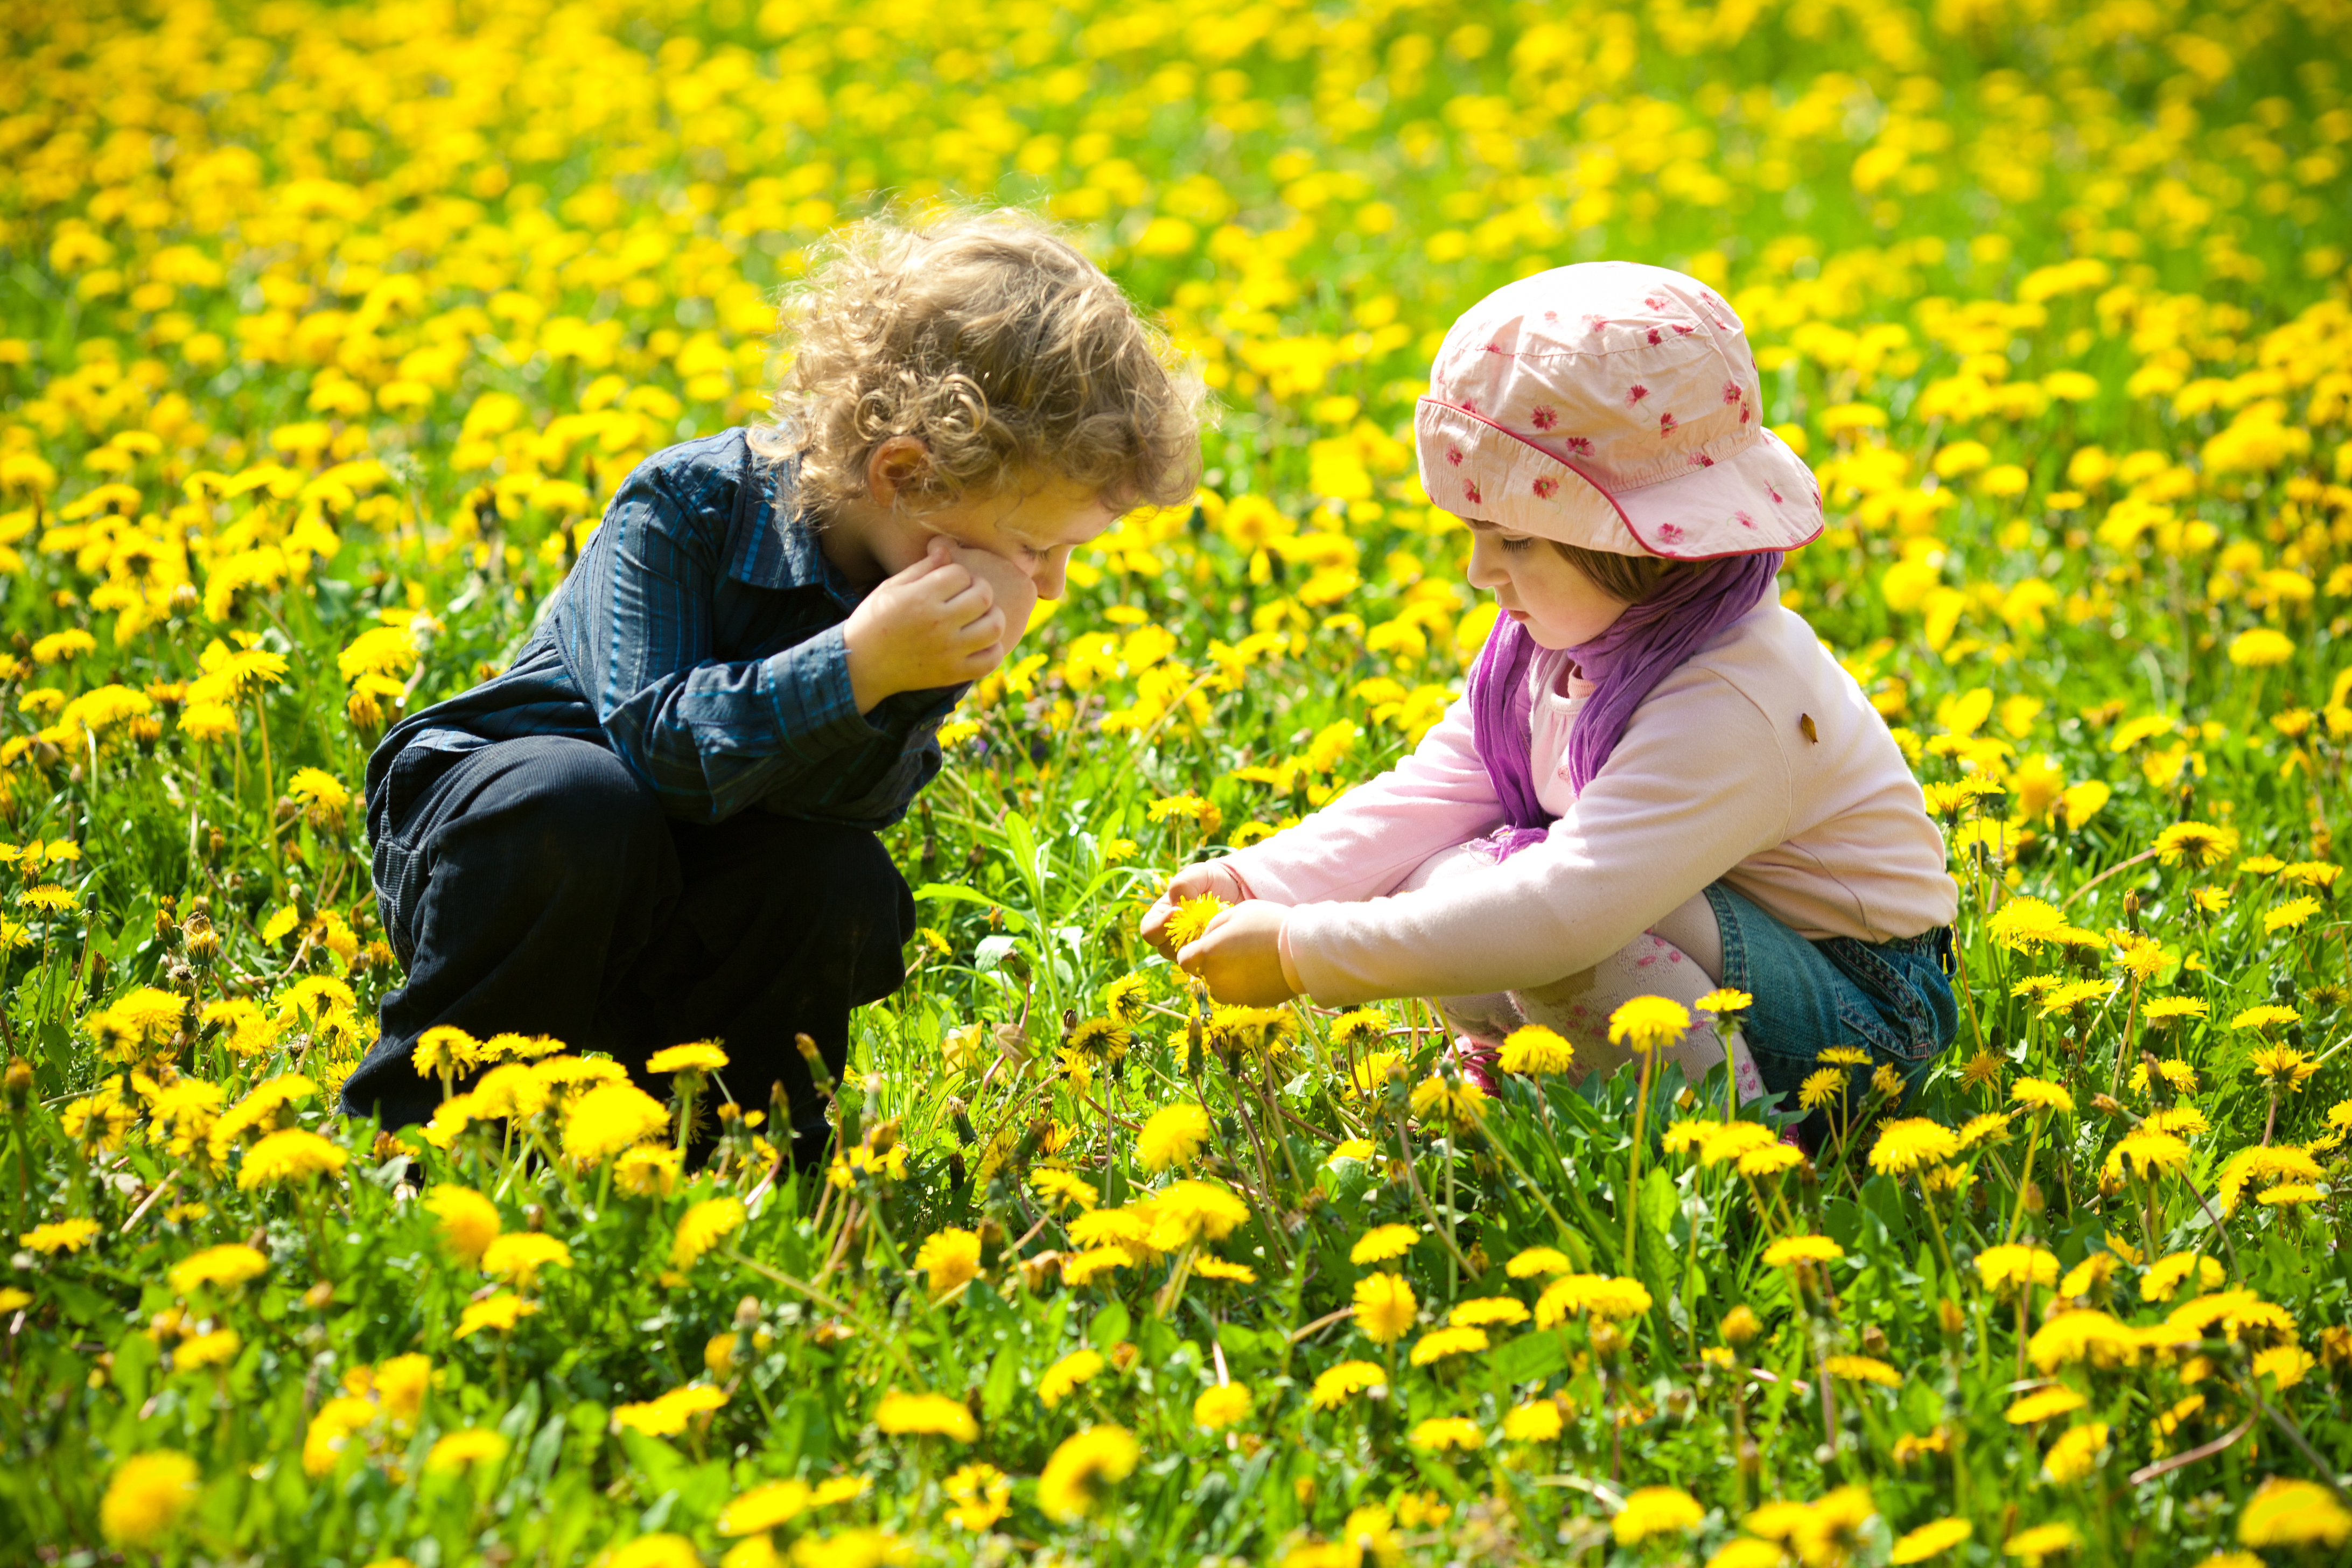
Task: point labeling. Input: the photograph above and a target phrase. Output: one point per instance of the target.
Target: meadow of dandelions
(325, 331)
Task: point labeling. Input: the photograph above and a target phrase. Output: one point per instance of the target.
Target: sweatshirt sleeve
(1698, 782)
(1372, 837)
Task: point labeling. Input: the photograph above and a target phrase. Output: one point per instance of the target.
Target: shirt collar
(778, 546)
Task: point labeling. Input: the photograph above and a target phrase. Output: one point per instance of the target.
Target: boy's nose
(1049, 575)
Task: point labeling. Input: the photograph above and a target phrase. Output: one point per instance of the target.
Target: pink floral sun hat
(1611, 405)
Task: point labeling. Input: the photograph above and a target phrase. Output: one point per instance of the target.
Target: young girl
(1658, 782)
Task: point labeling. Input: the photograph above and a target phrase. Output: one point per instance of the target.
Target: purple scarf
(1640, 648)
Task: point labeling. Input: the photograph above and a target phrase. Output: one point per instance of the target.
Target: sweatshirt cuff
(1282, 950)
(1308, 973)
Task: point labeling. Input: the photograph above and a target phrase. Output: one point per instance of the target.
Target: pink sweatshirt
(1715, 777)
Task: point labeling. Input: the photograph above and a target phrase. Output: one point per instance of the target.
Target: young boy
(660, 824)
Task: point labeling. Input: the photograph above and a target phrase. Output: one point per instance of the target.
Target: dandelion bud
(1741, 1325)
(1949, 1318)
(2034, 1203)
(819, 1074)
(184, 599)
(19, 1082)
(534, 1217)
(1751, 1459)
(2131, 908)
(319, 1296)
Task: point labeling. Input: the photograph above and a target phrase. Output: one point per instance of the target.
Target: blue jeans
(1892, 999)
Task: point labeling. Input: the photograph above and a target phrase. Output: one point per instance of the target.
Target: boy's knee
(568, 816)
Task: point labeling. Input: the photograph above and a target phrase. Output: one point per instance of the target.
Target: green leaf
(1531, 1356)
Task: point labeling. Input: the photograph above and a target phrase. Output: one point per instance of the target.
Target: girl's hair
(1632, 578)
(993, 343)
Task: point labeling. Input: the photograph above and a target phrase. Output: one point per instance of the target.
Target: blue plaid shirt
(700, 637)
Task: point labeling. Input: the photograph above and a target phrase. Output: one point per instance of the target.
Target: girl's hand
(1210, 877)
(1239, 957)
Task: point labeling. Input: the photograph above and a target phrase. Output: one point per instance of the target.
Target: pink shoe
(1475, 1059)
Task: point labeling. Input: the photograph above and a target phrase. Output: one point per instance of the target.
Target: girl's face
(1541, 588)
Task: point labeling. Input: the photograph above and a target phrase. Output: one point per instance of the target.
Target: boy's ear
(898, 464)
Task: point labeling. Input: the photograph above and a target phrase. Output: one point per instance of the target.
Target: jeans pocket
(1891, 1012)
(396, 869)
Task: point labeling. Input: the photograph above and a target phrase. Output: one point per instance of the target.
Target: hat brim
(1763, 498)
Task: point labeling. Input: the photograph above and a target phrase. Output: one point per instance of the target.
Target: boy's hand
(1015, 594)
(935, 623)
(1211, 877)
(1239, 957)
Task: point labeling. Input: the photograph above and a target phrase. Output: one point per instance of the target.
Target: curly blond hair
(990, 339)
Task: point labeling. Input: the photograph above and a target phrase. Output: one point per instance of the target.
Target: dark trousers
(535, 886)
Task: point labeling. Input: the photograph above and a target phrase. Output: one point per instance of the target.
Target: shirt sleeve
(1372, 837)
(1698, 783)
(709, 737)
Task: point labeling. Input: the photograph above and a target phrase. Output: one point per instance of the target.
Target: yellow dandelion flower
(1440, 1432)
(1218, 1408)
(500, 1312)
(289, 1154)
(1646, 1022)
(1597, 1295)
(2290, 1513)
(949, 1257)
(1385, 1307)
(1537, 1260)
(1488, 1311)
(608, 1118)
(1173, 1136)
(1068, 1374)
(667, 1416)
(1906, 1145)
(2040, 1094)
(2042, 1540)
(763, 1508)
(145, 1497)
(1191, 918)
(1793, 1249)
(1538, 1422)
(1861, 1369)
(2043, 1405)
(695, 1056)
(926, 1416)
(469, 1222)
(1382, 1243)
(519, 1257)
(465, 1450)
(1928, 1541)
(1083, 1469)
(1535, 1051)
(1337, 1384)
(702, 1227)
(1655, 1511)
